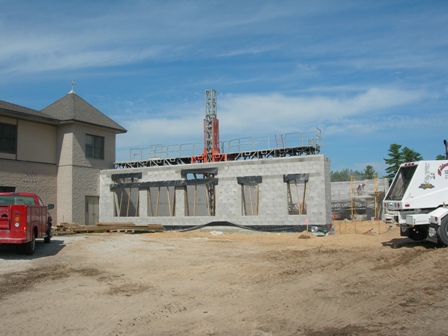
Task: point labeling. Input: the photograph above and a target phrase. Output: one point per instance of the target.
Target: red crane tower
(211, 152)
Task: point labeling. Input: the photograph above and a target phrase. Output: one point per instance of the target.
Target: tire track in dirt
(362, 273)
(377, 291)
(252, 285)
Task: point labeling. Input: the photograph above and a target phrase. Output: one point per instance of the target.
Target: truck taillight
(407, 205)
(16, 220)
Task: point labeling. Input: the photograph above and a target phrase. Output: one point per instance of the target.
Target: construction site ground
(365, 280)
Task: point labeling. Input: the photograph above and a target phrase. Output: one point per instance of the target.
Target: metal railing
(289, 140)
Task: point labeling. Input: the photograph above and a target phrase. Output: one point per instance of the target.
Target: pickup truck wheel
(443, 231)
(30, 247)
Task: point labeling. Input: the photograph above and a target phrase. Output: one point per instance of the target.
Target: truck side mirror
(50, 206)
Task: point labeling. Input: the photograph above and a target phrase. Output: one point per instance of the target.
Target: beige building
(58, 153)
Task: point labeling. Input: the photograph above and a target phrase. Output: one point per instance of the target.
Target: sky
(366, 74)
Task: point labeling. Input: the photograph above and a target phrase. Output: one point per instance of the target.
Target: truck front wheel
(30, 247)
(443, 231)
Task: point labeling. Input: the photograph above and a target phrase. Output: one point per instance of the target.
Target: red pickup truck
(23, 218)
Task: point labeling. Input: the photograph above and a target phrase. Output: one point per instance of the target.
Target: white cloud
(122, 34)
(161, 130)
(257, 115)
(278, 112)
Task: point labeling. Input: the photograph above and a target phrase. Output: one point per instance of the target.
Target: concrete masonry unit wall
(358, 199)
(269, 194)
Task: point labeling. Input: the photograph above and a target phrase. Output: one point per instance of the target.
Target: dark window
(8, 138)
(401, 183)
(14, 199)
(7, 189)
(94, 146)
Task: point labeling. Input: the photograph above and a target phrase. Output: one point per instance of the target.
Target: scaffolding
(362, 199)
(212, 150)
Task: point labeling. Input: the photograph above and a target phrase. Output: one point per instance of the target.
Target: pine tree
(343, 175)
(394, 161)
(397, 157)
(369, 172)
(410, 156)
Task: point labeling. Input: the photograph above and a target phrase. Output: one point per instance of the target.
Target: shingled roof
(13, 110)
(72, 108)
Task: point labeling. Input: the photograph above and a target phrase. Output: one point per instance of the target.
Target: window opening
(250, 195)
(94, 146)
(7, 189)
(161, 201)
(126, 197)
(296, 193)
(196, 200)
(8, 138)
(197, 180)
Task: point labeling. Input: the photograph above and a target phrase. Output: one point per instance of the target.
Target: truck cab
(416, 200)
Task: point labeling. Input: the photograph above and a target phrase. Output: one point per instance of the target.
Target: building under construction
(359, 198)
(255, 183)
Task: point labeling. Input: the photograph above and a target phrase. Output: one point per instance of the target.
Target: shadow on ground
(409, 243)
(15, 252)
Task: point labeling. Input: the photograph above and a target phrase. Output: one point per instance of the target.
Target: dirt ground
(227, 283)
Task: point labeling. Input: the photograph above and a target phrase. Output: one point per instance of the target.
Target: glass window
(94, 146)
(13, 199)
(8, 138)
(401, 183)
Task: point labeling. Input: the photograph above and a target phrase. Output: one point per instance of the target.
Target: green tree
(441, 157)
(343, 175)
(397, 156)
(369, 172)
(410, 156)
(394, 161)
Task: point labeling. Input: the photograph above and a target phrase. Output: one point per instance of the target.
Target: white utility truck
(417, 201)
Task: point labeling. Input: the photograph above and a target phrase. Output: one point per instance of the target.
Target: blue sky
(366, 73)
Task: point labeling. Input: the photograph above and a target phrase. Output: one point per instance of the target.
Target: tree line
(397, 155)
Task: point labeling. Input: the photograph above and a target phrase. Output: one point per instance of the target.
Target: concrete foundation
(274, 194)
